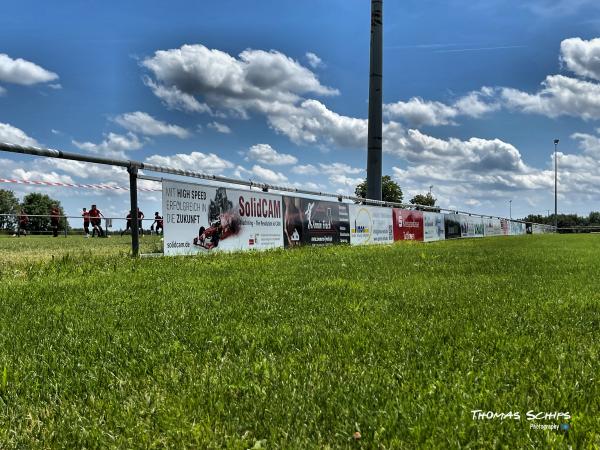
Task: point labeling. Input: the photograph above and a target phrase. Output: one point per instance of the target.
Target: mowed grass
(303, 348)
(35, 248)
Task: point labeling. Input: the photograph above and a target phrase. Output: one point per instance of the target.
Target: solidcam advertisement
(371, 225)
(201, 218)
(433, 227)
(408, 225)
(314, 222)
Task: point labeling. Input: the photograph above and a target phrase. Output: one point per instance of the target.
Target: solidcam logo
(362, 225)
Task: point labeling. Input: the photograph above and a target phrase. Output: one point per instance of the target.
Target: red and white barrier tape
(74, 185)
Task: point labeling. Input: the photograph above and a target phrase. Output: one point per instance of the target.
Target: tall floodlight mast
(556, 141)
(375, 103)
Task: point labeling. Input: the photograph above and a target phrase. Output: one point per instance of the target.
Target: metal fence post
(135, 236)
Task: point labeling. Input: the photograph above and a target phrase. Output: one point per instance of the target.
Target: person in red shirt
(86, 222)
(158, 221)
(23, 223)
(95, 215)
(54, 220)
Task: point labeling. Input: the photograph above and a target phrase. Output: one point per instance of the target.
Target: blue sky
(277, 91)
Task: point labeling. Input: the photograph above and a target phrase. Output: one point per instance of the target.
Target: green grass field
(299, 349)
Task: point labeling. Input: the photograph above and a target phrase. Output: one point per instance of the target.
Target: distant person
(54, 220)
(86, 222)
(140, 219)
(95, 220)
(157, 224)
(23, 223)
(128, 225)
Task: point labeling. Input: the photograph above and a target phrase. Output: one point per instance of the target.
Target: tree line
(33, 204)
(567, 220)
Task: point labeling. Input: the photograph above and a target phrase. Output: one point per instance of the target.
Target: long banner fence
(200, 218)
(203, 218)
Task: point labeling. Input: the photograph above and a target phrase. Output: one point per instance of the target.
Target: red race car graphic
(229, 224)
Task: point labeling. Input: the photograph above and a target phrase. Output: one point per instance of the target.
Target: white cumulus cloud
(305, 169)
(581, 57)
(194, 161)
(231, 83)
(419, 112)
(559, 96)
(219, 127)
(313, 60)
(14, 135)
(114, 145)
(35, 175)
(144, 123)
(20, 71)
(173, 98)
(265, 154)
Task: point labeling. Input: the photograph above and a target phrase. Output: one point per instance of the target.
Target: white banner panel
(371, 225)
(470, 226)
(433, 227)
(492, 227)
(517, 228)
(199, 218)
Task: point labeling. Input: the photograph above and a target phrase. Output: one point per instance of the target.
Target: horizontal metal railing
(52, 153)
(133, 168)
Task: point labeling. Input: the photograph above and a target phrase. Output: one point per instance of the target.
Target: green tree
(425, 200)
(41, 204)
(390, 190)
(9, 204)
(594, 218)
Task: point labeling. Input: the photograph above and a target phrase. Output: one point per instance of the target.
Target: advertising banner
(471, 226)
(517, 228)
(314, 222)
(492, 227)
(408, 225)
(433, 227)
(505, 225)
(201, 218)
(452, 226)
(371, 225)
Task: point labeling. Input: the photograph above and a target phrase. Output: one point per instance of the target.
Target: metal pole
(555, 185)
(510, 209)
(375, 131)
(135, 237)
